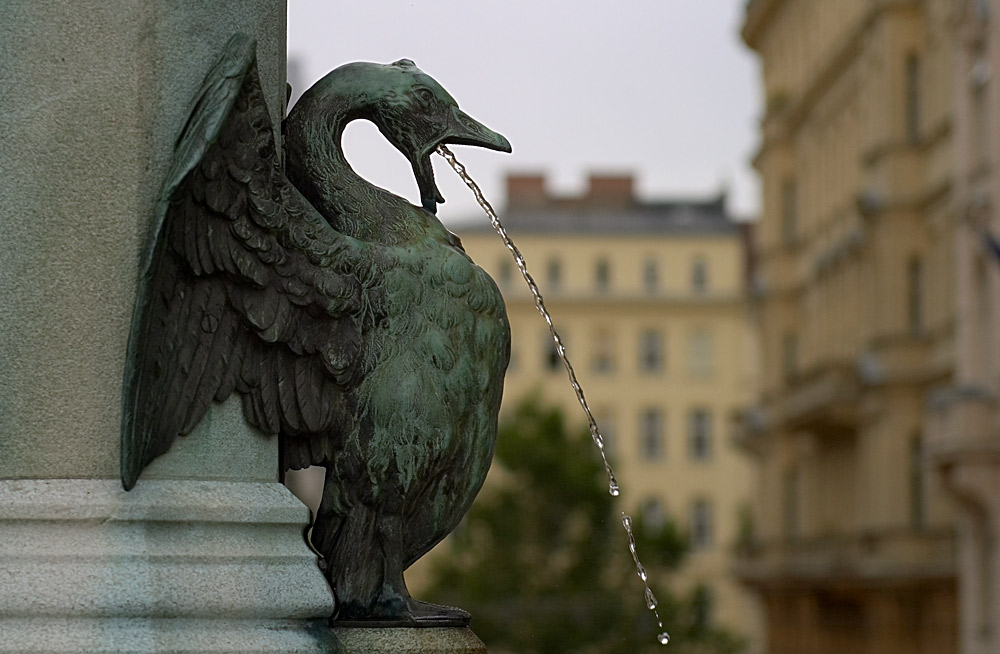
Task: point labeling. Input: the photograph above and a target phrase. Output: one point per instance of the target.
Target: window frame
(652, 434)
(652, 358)
(700, 434)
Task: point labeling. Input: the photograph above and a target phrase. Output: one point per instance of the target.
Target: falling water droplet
(613, 489)
(664, 638)
(650, 600)
(641, 571)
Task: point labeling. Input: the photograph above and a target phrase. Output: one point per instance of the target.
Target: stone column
(206, 554)
(95, 94)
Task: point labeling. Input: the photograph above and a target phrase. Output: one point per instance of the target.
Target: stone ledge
(152, 500)
(402, 640)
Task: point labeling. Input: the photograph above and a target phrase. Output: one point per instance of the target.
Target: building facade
(876, 428)
(965, 422)
(649, 301)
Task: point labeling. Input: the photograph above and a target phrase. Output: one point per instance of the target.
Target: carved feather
(233, 300)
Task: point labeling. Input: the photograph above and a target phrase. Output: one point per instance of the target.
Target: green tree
(541, 561)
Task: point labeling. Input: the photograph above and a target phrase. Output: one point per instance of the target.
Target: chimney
(526, 190)
(610, 190)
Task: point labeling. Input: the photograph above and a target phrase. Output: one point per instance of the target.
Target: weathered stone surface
(165, 636)
(86, 567)
(95, 93)
(409, 641)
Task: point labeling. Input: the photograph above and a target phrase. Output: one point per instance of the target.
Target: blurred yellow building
(877, 303)
(649, 300)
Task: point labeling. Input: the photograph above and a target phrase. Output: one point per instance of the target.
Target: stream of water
(595, 433)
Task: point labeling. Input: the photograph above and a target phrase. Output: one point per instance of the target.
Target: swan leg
(392, 604)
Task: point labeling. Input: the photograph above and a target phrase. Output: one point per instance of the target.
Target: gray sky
(662, 88)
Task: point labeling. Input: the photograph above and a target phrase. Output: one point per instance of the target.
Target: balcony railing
(850, 558)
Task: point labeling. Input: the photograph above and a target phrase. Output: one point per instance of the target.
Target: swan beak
(463, 129)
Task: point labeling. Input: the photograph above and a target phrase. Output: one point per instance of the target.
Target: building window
(651, 434)
(915, 296)
(702, 604)
(735, 423)
(917, 496)
(650, 275)
(979, 77)
(789, 356)
(505, 272)
(554, 270)
(790, 491)
(603, 360)
(602, 275)
(913, 98)
(701, 354)
(651, 359)
(789, 211)
(654, 516)
(981, 121)
(552, 360)
(701, 524)
(699, 275)
(700, 434)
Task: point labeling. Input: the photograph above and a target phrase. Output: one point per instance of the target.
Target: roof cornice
(758, 17)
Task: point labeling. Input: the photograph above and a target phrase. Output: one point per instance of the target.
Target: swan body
(351, 322)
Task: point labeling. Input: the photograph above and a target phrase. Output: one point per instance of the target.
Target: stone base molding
(173, 566)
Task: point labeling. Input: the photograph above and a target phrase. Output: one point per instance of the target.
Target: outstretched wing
(245, 288)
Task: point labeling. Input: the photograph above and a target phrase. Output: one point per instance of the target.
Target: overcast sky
(662, 88)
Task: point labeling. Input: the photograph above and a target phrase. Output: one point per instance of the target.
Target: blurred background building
(876, 296)
(649, 298)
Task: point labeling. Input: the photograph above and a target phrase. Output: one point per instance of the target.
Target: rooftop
(609, 206)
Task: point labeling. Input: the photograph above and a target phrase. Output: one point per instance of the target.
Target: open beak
(462, 129)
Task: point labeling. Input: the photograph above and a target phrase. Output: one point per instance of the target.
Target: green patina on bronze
(351, 322)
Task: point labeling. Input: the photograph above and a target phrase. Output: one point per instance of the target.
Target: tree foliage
(542, 561)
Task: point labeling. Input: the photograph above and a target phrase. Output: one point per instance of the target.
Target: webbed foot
(415, 614)
(427, 614)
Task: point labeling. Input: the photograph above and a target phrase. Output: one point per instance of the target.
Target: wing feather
(270, 395)
(218, 331)
(251, 407)
(308, 385)
(233, 361)
(244, 288)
